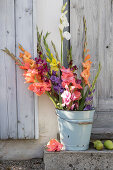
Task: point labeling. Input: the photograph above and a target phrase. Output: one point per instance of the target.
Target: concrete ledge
(79, 160)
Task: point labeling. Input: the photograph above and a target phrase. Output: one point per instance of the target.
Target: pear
(98, 145)
(108, 144)
(95, 143)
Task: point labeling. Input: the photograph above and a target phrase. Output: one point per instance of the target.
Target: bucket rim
(75, 110)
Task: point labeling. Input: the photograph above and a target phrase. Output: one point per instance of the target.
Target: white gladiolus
(62, 17)
(61, 27)
(65, 23)
(64, 20)
(67, 35)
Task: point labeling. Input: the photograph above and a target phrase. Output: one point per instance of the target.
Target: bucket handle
(75, 122)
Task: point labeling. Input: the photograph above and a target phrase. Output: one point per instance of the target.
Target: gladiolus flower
(87, 64)
(85, 75)
(54, 145)
(72, 107)
(26, 66)
(67, 35)
(67, 76)
(75, 95)
(32, 76)
(54, 65)
(26, 58)
(40, 88)
(66, 98)
(86, 72)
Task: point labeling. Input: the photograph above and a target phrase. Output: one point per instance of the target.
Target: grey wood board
(18, 105)
(8, 107)
(99, 17)
(25, 98)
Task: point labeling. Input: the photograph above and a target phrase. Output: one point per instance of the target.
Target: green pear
(108, 144)
(95, 143)
(98, 145)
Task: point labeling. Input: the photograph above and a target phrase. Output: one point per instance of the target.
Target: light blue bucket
(75, 128)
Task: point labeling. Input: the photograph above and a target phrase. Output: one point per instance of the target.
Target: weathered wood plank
(105, 53)
(102, 133)
(89, 10)
(25, 102)
(36, 123)
(8, 114)
(99, 16)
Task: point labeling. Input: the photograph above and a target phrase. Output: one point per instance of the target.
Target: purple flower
(58, 88)
(89, 98)
(54, 73)
(89, 101)
(78, 81)
(74, 68)
(55, 79)
(91, 92)
(41, 66)
(70, 63)
(56, 82)
(88, 107)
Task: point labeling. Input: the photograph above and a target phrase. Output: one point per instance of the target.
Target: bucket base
(75, 148)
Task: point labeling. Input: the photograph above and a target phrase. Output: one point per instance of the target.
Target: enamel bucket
(75, 128)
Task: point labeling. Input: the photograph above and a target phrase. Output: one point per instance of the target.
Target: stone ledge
(79, 160)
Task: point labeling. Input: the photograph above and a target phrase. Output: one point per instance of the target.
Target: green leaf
(95, 79)
(12, 56)
(56, 53)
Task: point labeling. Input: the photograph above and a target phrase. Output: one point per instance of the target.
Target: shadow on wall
(48, 127)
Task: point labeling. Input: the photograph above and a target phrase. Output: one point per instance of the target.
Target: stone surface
(79, 160)
(35, 164)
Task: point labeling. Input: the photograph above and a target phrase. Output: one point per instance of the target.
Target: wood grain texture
(18, 106)
(99, 17)
(36, 123)
(25, 98)
(8, 114)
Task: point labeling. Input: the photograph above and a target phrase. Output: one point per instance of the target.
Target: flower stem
(61, 51)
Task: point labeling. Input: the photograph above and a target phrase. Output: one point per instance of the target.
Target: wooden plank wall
(18, 115)
(99, 17)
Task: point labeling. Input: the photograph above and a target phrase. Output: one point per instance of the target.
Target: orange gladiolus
(25, 66)
(87, 65)
(40, 88)
(87, 57)
(32, 76)
(21, 48)
(30, 61)
(85, 75)
(86, 72)
(21, 55)
(27, 54)
(26, 58)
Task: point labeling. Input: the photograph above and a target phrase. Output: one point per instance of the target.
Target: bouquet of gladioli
(47, 74)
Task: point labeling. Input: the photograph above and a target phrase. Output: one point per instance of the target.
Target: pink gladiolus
(72, 107)
(66, 98)
(67, 76)
(54, 145)
(75, 95)
(77, 86)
